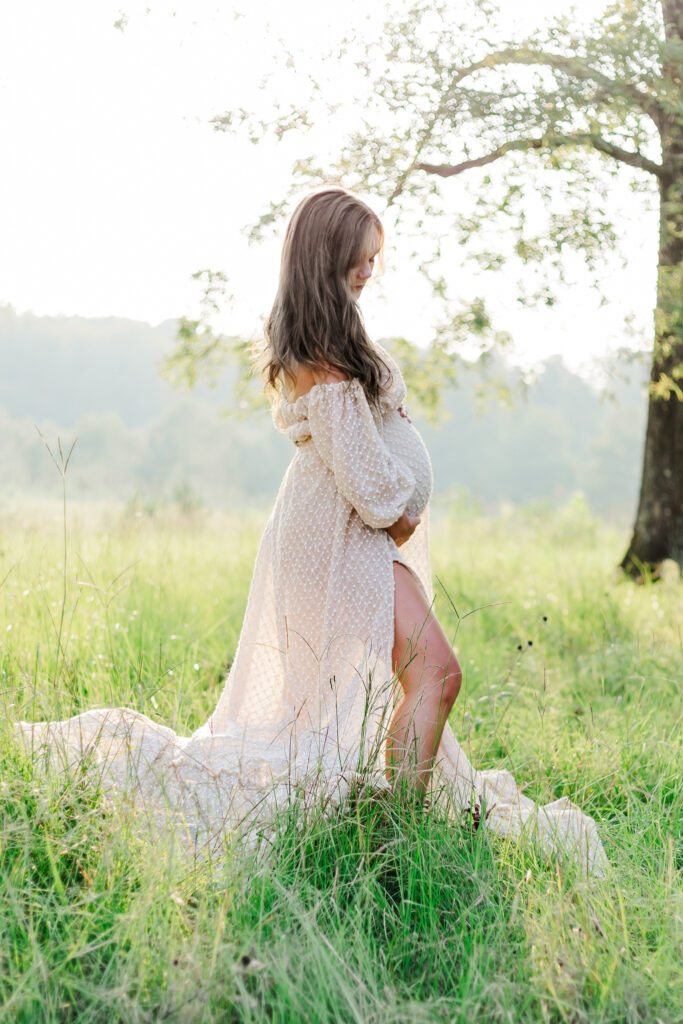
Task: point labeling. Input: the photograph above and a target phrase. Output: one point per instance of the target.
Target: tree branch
(575, 67)
(550, 142)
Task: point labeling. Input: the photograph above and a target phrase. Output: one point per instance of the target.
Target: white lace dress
(310, 692)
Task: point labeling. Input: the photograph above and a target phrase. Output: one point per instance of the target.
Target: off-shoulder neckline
(318, 387)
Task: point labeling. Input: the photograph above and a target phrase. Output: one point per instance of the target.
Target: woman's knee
(447, 680)
(422, 651)
(452, 682)
(443, 664)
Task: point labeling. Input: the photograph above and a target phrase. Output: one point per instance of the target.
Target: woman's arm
(346, 437)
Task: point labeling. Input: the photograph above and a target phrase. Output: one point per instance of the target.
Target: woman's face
(361, 274)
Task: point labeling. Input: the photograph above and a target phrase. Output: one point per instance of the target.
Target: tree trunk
(658, 530)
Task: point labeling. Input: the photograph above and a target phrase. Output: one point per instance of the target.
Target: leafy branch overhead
(439, 96)
(445, 96)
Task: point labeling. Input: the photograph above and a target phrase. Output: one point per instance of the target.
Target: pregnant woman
(342, 669)
(330, 583)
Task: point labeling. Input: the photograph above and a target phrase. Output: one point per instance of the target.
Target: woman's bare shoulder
(306, 377)
(329, 375)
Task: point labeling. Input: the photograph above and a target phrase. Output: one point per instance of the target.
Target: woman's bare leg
(430, 675)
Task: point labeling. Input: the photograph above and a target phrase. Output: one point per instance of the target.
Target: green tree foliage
(447, 94)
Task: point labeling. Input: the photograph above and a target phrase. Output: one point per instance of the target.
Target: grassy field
(572, 680)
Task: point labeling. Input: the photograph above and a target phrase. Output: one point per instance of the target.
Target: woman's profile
(342, 672)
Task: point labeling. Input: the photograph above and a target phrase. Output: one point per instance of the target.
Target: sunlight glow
(119, 189)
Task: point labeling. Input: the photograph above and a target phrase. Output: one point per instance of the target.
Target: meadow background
(148, 141)
(571, 680)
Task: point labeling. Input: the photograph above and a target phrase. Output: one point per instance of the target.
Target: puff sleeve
(346, 437)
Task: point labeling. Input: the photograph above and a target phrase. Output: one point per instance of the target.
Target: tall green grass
(375, 913)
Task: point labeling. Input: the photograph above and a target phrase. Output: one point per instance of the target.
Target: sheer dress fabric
(311, 691)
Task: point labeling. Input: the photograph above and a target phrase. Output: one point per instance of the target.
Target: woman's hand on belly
(403, 529)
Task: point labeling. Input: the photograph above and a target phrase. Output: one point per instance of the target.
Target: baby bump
(406, 445)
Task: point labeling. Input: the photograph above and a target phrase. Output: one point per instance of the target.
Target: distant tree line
(99, 380)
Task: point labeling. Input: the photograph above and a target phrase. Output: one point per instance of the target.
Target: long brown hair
(315, 321)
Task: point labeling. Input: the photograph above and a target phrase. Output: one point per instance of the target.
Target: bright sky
(116, 189)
